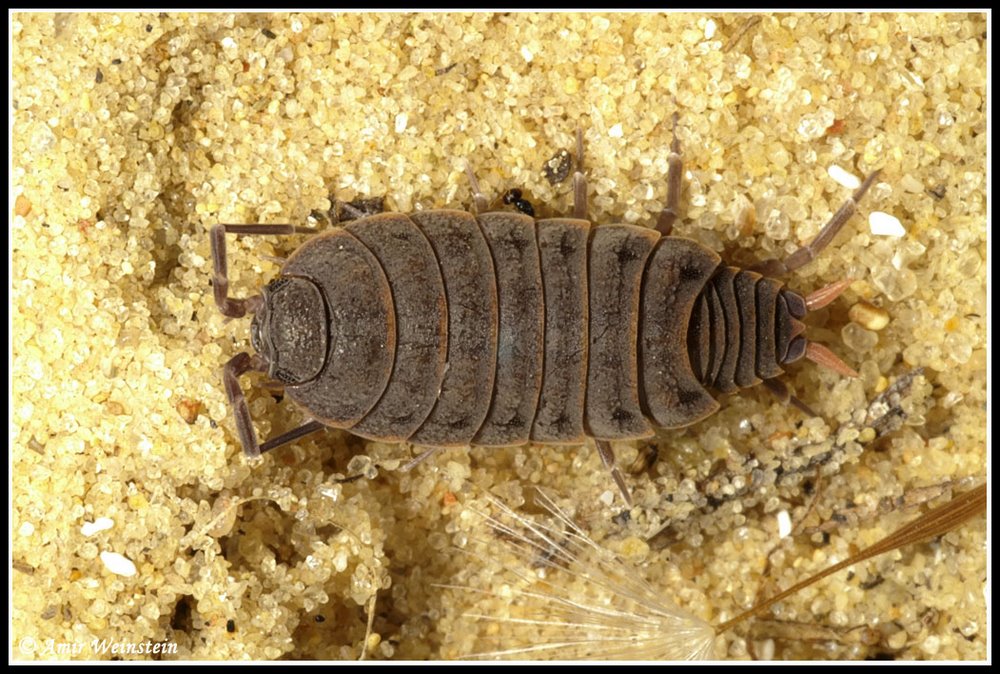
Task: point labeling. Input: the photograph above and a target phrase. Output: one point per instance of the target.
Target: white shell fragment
(98, 525)
(883, 224)
(401, 121)
(784, 524)
(844, 177)
(118, 564)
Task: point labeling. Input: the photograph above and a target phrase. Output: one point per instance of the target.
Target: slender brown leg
(231, 306)
(237, 366)
(781, 392)
(608, 457)
(579, 181)
(808, 252)
(242, 363)
(305, 429)
(479, 201)
(675, 170)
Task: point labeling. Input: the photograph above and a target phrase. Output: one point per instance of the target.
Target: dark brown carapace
(447, 328)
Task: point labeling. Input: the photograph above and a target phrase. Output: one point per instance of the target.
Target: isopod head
(284, 331)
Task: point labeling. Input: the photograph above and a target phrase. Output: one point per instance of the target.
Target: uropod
(448, 328)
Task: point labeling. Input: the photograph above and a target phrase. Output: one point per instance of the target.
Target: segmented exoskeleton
(449, 328)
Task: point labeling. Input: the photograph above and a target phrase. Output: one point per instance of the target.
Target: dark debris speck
(268, 34)
(149, 28)
(99, 77)
(116, 62)
(230, 625)
(557, 168)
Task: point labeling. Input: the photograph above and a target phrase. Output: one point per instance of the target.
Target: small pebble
(557, 168)
(98, 525)
(189, 409)
(615, 131)
(26, 529)
(784, 524)
(843, 177)
(869, 316)
(21, 205)
(118, 564)
(607, 498)
(883, 224)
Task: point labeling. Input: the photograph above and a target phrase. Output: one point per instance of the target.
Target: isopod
(448, 328)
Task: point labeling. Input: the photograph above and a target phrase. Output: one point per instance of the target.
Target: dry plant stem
(750, 23)
(910, 499)
(936, 522)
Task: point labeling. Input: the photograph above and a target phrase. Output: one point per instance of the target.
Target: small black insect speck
(116, 62)
(99, 77)
(230, 625)
(513, 196)
(268, 34)
(149, 28)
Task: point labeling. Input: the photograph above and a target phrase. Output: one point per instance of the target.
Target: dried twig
(750, 23)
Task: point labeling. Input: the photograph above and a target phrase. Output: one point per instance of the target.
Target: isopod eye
(796, 350)
(255, 339)
(277, 284)
(511, 196)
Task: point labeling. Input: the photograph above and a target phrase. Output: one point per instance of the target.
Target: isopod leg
(291, 436)
(608, 457)
(231, 306)
(579, 181)
(479, 201)
(808, 252)
(675, 170)
(237, 366)
(781, 392)
(418, 459)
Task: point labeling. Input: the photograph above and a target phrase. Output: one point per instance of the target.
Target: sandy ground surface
(140, 531)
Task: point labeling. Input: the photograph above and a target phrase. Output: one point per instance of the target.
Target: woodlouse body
(445, 328)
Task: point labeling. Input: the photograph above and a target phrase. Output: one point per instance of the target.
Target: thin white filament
(590, 604)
